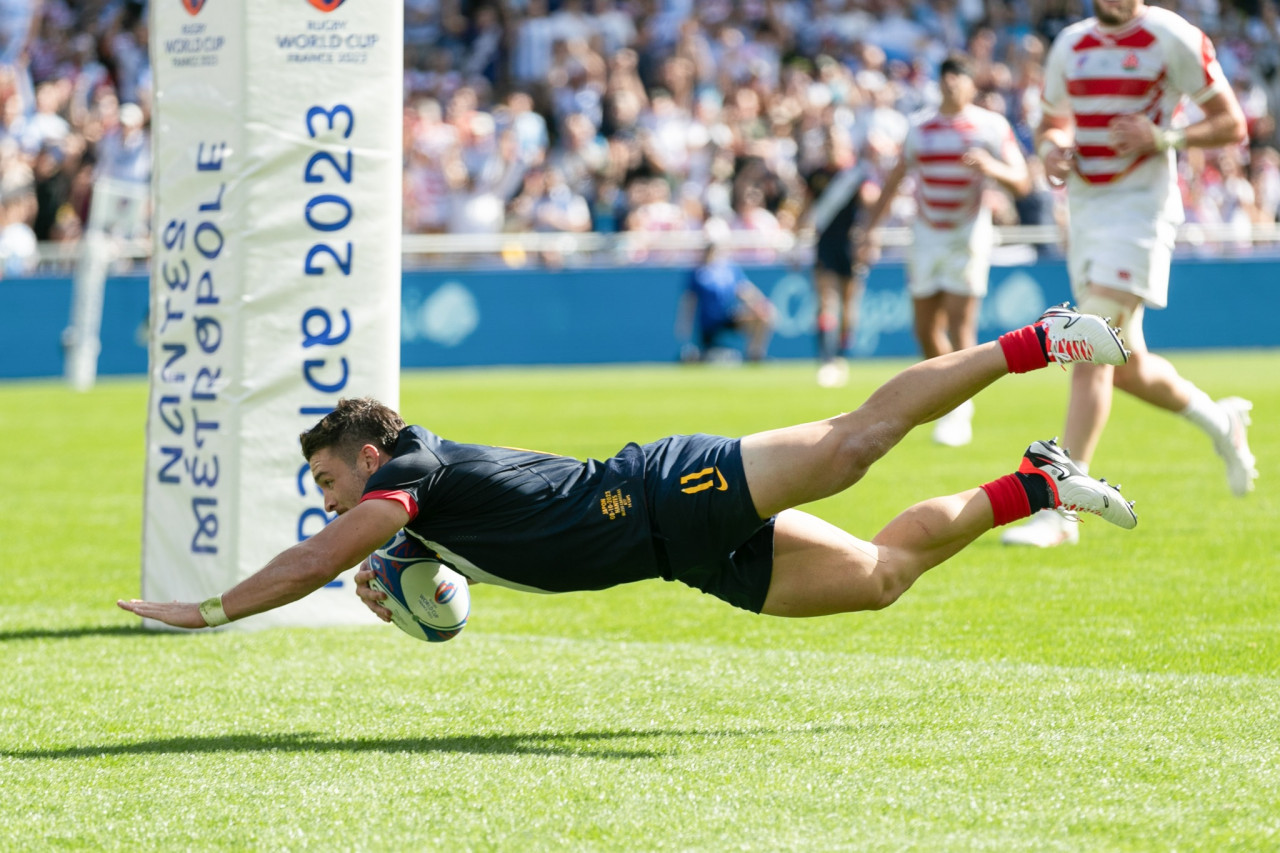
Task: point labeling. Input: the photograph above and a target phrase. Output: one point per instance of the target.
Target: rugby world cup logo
(445, 592)
(322, 5)
(193, 7)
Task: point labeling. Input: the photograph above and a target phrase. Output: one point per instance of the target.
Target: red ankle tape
(1023, 351)
(1008, 498)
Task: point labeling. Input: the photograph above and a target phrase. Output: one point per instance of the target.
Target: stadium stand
(648, 116)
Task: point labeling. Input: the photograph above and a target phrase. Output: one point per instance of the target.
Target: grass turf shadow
(583, 744)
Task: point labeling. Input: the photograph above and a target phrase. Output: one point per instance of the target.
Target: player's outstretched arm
(294, 573)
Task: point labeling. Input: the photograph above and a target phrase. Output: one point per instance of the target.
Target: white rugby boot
(955, 428)
(1045, 529)
(1234, 446)
(1073, 490)
(1072, 336)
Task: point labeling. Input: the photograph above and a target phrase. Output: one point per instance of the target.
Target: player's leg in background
(929, 324)
(851, 289)
(1089, 406)
(832, 372)
(1154, 379)
(962, 319)
(757, 320)
(826, 283)
(959, 319)
(1088, 409)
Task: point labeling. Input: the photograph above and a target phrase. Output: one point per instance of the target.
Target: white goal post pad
(275, 284)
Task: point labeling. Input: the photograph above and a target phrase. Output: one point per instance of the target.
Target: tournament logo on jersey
(323, 5)
(1130, 62)
(193, 7)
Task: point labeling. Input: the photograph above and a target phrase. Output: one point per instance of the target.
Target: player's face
(958, 90)
(1113, 13)
(341, 482)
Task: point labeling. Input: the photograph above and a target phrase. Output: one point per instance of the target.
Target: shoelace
(1072, 511)
(1071, 350)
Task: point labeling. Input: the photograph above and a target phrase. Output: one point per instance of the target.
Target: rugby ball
(428, 600)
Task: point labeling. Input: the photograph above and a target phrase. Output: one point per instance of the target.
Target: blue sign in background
(600, 316)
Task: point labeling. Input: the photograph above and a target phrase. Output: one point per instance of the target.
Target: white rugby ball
(428, 600)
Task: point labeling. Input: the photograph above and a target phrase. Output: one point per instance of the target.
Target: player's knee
(1122, 314)
(858, 447)
(887, 585)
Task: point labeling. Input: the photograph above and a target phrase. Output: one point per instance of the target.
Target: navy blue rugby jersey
(519, 518)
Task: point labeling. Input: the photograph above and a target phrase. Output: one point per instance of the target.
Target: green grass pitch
(1123, 694)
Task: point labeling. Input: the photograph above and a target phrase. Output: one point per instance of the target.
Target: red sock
(1009, 501)
(1023, 350)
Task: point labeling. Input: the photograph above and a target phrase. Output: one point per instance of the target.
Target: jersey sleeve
(405, 499)
(1193, 64)
(1054, 100)
(911, 144)
(1005, 143)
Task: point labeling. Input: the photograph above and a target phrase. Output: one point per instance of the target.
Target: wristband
(1175, 138)
(212, 612)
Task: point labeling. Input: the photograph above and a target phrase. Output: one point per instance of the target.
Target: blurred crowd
(650, 116)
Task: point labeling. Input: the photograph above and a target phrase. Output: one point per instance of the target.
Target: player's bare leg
(758, 324)
(819, 569)
(1154, 380)
(850, 304)
(795, 465)
(832, 373)
(930, 325)
(959, 315)
(962, 319)
(1088, 410)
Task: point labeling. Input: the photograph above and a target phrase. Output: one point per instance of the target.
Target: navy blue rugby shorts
(706, 531)
(835, 255)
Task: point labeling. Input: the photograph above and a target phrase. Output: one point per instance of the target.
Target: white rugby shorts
(1120, 240)
(950, 260)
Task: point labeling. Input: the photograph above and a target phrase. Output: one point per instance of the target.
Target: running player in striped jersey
(953, 154)
(1114, 85)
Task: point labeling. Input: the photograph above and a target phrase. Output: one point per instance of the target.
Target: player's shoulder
(924, 115)
(984, 117)
(1161, 21)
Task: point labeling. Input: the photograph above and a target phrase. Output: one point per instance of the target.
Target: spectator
(46, 124)
(19, 251)
(611, 93)
(52, 184)
(125, 150)
(546, 205)
(720, 299)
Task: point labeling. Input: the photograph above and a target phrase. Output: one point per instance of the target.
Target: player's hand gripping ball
(428, 600)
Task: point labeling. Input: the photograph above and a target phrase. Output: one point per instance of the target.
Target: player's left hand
(368, 595)
(179, 614)
(1132, 134)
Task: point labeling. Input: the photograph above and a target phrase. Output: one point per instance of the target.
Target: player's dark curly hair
(350, 426)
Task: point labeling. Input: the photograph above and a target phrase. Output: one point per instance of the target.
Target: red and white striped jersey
(1095, 74)
(949, 193)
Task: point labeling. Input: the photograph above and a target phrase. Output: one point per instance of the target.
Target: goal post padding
(275, 286)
